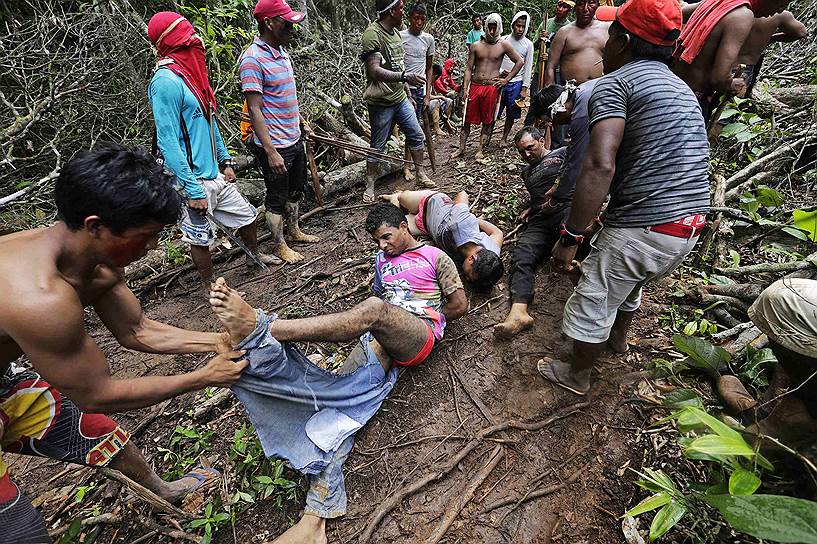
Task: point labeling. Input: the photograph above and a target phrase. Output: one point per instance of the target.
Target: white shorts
(225, 203)
(622, 261)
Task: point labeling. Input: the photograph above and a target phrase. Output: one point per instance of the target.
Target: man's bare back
(763, 29)
(487, 59)
(712, 69)
(31, 281)
(577, 50)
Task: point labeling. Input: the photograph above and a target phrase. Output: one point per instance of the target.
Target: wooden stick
(465, 496)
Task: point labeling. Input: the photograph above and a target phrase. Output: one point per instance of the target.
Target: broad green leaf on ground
(680, 398)
(806, 221)
(772, 517)
(666, 518)
(721, 447)
(717, 426)
(768, 197)
(797, 233)
(701, 354)
(743, 482)
(650, 503)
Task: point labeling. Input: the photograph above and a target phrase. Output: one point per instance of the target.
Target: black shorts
(288, 187)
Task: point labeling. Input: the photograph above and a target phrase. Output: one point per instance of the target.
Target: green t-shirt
(390, 46)
(474, 35)
(554, 25)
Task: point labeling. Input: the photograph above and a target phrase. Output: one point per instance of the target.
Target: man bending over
(308, 415)
(473, 243)
(112, 203)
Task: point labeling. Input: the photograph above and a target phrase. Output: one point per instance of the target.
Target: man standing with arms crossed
(648, 150)
(112, 203)
(268, 82)
(419, 49)
(387, 93)
(188, 138)
(482, 82)
(518, 87)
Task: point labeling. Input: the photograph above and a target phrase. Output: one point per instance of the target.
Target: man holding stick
(483, 82)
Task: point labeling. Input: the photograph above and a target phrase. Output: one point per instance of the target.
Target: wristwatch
(568, 238)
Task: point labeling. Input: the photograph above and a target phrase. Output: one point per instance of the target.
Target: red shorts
(424, 351)
(482, 102)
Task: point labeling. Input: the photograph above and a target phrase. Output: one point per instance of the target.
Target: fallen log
(729, 333)
(767, 268)
(744, 291)
(778, 155)
(354, 122)
(761, 178)
(346, 178)
(733, 302)
(339, 130)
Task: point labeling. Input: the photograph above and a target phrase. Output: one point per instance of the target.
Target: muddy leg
(309, 530)
(466, 130)
(132, 464)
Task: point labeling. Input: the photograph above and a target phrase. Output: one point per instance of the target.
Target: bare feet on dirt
(288, 255)
(408, 175)
(478, 156)
(297, 235)
(425, 182)
(394, 198)
(517, 321)
(561, 374)
(235, 314)
(264, 258)
(458, 153)
(310, 530)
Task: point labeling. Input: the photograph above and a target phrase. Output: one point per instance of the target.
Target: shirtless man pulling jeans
(112, 204)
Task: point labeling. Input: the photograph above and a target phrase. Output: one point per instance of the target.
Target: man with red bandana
(112, 203)
(711, 42)
(648, 150)
(190, 143)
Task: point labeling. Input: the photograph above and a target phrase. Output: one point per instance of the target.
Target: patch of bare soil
(564, 479)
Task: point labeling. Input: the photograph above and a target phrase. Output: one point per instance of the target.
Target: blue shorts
(383, 118)
(510, 93)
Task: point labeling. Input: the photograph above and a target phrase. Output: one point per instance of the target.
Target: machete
(429, 141)
(313, 169)
(236, 240)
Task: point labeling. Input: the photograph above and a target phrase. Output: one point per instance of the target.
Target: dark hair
(475, 17)
(542, 101)
(380, 5)
(642, 49)
(487, 270)
(124, 186)
(437, 70)
(384, 213)
(419, 7)
(534, 132)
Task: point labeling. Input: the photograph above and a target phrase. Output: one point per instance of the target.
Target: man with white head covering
(482, 81)
(519, 85)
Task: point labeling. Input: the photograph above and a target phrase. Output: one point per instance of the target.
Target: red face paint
(132, 245)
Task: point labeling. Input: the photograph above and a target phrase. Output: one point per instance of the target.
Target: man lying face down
(307, 415)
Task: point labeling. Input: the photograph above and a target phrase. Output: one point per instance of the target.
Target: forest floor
(470, 382)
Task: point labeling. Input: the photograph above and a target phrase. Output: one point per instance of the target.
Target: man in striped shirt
(649, 150)
(268, 82)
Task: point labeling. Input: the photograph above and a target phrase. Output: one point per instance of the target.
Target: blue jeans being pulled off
(306, 415)
(383, 118)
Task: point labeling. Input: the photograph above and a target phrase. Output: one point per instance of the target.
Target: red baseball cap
(656, 21)
(268, 9)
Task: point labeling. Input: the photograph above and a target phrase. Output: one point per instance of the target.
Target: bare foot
(288, 255)
(478, 156)
(394, 198)
(458, 153)
(618, 343)
(408, 175)
(309, 530)
(426, 182)
(562, 374)
(517, 321)
(235, 314)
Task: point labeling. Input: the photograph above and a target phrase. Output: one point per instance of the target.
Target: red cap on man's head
(268, 9)
(656, 21)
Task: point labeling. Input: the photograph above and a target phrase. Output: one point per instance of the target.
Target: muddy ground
(469, 383)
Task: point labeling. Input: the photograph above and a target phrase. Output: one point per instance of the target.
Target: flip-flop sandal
(207, 478)
(541, 364)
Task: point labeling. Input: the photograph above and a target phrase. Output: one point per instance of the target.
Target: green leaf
(711, 445)
(743, 482)
(198, 523)
(806, 221)
(717, 426)
(772, 517)
(679, 398)
(769, 197)
(266, 480)
(797, 233)
(733, 128)
(666, 518)
(690, 328)
(728, 112)
(650, 503)
(702, 355)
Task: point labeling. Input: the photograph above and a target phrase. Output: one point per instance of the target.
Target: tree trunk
(347, 178)
(354, 122)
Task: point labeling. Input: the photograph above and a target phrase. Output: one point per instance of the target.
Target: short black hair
(475, 17)
(124, 186)
(384, 213)
(542, 101)
(380, 6)
(419, 7)
(642, 49)
(487, 270)
(534, 132)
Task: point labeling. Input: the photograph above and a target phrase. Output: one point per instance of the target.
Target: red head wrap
(182, 51)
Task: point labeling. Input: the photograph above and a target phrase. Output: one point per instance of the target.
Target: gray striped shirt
(662, 162)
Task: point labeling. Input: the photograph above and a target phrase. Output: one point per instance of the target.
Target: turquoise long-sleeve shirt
(171, 100)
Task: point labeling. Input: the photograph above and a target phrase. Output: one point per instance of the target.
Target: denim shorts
(383, 118)
(507, 101)
(621, 262)
(225, 203)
